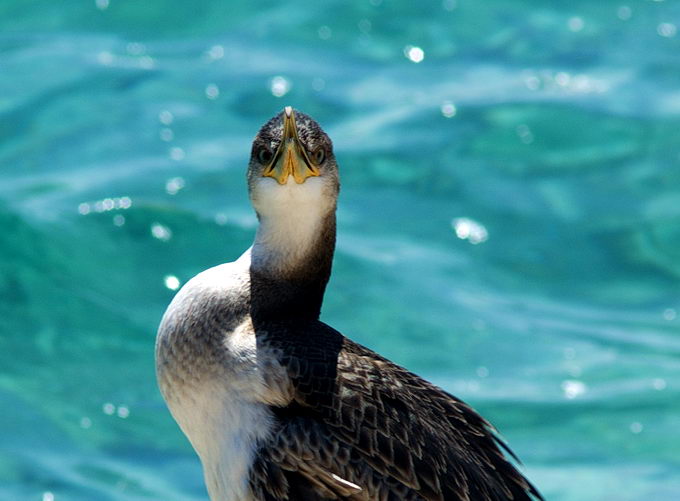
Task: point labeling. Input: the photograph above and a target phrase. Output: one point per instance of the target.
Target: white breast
(220, 402)
(224, 429)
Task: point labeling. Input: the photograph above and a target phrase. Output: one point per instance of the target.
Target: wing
(363, 428)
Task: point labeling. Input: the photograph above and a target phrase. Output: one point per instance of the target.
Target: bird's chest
(224, 409)
(224, 429)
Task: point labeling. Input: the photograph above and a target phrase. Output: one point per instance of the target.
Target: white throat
(290, 221)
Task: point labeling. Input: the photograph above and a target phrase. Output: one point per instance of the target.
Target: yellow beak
(290, 157)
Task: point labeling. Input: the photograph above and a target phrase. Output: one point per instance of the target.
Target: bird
(279, 405)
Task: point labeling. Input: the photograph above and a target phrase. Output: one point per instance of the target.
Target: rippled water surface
(509, 223)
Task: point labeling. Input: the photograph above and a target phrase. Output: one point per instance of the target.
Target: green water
(509, 222)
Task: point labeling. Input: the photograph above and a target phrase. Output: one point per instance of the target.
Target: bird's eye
(319, 155)
(264, 156)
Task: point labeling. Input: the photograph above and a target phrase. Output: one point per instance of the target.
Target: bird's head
(292, 168)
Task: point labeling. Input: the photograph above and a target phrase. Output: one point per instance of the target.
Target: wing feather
(362, 428)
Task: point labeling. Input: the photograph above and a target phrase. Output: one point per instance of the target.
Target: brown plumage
(280, 406)
(376, 425)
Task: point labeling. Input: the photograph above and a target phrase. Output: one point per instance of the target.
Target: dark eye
(318, 156)
(264, 156)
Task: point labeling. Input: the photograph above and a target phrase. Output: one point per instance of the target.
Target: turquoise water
(509, 223)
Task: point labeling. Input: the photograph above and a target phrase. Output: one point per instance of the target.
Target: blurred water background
(509, 223)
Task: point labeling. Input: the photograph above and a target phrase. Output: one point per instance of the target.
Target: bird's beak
(290, 157)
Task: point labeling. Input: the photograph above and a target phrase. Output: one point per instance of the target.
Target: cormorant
(280, 406)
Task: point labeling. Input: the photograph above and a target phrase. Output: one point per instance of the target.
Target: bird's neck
(290, 264)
